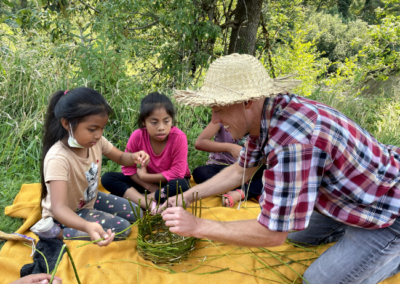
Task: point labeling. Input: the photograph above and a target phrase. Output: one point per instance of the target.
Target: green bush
(334, 39)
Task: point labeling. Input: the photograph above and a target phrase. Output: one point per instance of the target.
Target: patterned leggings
(110, 211)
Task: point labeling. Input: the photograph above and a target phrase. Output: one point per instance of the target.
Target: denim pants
(359, 256)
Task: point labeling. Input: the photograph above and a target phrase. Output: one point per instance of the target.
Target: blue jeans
(359, 256)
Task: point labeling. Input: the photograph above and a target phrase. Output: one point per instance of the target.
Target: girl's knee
(198, 175)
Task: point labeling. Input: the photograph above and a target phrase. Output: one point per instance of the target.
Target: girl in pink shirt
(168, 150)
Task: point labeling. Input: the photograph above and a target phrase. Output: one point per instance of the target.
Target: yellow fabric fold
(120, 262)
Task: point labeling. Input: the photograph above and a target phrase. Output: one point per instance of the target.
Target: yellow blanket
(120, 263)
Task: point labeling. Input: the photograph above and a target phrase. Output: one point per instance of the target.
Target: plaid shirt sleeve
(254, 153)
(291, 182)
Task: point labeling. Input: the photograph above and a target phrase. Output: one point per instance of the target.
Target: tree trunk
(244, 33)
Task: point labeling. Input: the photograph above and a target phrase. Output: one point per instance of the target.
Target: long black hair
(152, 102)
(73, 106)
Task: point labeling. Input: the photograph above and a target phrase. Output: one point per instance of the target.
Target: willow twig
(167, 195)
(45, 260)
(200, 208)
(176, 193)
(58, 261)
(212, 272)
(183, 201)
(145, 197)
(102, 239)
(197, 197)
(285, 265)
(73, 264)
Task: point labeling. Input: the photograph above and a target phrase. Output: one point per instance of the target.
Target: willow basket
(157, 244)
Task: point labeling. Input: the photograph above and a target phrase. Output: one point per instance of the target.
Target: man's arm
(226, 180)
(248, 233)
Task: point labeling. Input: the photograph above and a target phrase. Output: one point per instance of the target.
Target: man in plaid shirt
(327, 179)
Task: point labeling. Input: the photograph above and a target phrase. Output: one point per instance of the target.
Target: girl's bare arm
(204, 142)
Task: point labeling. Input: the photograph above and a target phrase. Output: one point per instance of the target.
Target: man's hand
(181, 222)
(37, 279)
(95, 231)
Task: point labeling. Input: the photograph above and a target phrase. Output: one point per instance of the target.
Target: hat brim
(222, 96)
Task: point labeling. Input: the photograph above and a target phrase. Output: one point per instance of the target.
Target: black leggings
(110, 211)
(118, 183)
(203, 173)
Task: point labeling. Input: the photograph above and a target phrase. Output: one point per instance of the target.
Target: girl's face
(158, 124)
(89, 131)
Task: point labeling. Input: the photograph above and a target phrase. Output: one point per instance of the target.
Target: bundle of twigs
(156, 243)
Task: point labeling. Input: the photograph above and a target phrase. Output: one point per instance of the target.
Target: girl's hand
(234, 150)
(141, 172)
(95, 231)
(37, 279)
(141, 158)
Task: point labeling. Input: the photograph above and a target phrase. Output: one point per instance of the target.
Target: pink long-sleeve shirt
(171, 163)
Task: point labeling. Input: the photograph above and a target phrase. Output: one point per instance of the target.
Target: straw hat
(233, 79)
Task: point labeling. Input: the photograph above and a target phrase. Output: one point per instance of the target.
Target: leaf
(8, 3)
(18, 21)
(3, 19)
(40, 3)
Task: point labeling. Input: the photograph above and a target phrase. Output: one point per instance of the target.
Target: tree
(245, 26)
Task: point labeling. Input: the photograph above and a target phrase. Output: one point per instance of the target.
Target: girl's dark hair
(73, 106)
(152, 102)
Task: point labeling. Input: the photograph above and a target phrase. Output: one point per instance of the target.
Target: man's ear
(65, 124)
(248, 104)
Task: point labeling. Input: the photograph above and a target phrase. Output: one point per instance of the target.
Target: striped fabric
(318, 158)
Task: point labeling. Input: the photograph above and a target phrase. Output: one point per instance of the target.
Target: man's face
(232, 117)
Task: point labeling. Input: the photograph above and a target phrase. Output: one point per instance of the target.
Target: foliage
(381, 55)
(302, 59)
(332, 37)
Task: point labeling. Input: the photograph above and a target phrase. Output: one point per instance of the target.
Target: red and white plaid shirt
(318, 157)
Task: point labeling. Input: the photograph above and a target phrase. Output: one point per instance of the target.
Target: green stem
(212, 272)
(177, 190)
(197, 197)
(58, 261)
(193, 203)
(151, 230)
(45, 260)
(284, 264)
(138, 209)
(183, 201)
(200, 208)
(159, 198)
(73, 264)
(133, 210)
(167, 194)
(102, 239)
(145, 197)
(166, 269)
